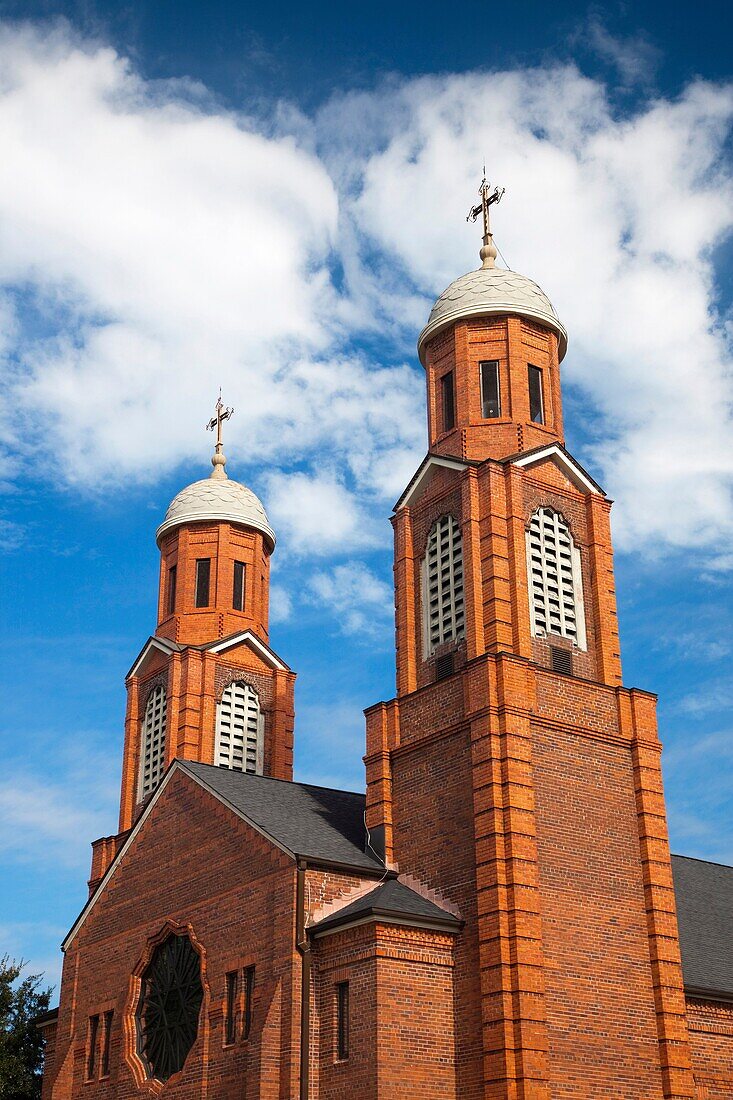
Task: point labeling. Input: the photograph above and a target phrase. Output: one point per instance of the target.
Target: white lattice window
(443, 606)
(239, 729)
(152, 742)
(555, 579)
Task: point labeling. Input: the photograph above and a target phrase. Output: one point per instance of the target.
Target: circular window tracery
(168, 1009)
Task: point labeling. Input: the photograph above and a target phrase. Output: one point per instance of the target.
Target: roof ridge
(699, 859)
(276, 779)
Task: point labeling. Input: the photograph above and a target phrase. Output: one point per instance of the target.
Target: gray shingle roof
(391, 899)
(704, 894)
(316, 823)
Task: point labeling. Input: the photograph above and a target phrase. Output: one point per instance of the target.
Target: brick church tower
(497, 917)
(513, 771)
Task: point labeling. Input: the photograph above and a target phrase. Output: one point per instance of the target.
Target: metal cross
(488, 198)
(222, 414)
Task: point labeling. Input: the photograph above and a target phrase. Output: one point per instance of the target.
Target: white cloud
(50, 823)
(281, 606)
(316, 514)
(635, 58)
(361, 602)
(167, 246)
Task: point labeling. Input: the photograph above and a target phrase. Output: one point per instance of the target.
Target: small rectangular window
(490, 393)
(92, 1047)
(230, 1008)
(448, 400)
(172, 589)
(238, 588)
(249, 988)
(106, 1033)
(342, 1020)
(203, 577)
(536, 400)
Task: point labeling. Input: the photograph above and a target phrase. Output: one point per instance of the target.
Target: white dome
(214, 499)
(492, 290)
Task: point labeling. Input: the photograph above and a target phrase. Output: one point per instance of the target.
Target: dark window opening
(536, 403)
(92, 1048)
(448, 400)
(444, 666)
(106, 1042)
(169, 1007)
(342, 1020)
(238, 589)
(203, 578)
(172, 589)
(230, 1019)
(562, 660)
(249, 986)
(490, 392)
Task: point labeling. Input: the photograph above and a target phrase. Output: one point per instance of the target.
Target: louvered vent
(239, 726)
(445, 614)
(443, 666)
(562, 660)
(153, 742)
(555, 584)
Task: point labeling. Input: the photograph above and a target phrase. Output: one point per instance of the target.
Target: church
(499, 916)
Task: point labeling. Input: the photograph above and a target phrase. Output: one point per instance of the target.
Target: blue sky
(268, 199)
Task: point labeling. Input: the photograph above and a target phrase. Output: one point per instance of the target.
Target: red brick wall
(193, 862)
(223, 543)
(401, 1014)
(599, 998)
(515, 343)
(710, 1025)
(433, 831)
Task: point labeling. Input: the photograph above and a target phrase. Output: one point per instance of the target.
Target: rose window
(169, 1006)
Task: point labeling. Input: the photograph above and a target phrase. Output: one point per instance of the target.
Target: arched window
(443, 607)
(555, 579)
(239, 729)
(152, 762)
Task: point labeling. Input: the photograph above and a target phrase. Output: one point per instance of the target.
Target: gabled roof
(163, 645)
(569, 466)
(319, 824)
(429, 464)
(242, 637)
(392, 902)
(704, 894)
(316, 823)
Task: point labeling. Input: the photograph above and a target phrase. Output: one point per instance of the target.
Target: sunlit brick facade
(498, 917)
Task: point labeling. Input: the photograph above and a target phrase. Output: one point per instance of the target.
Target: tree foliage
(21, 1043)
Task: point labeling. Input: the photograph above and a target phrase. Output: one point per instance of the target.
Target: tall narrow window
(490, 393)
(443, 606)
(172, 589)
(106, 1036)
(92, 1047)
(448, 401)
(152, 762)
(239, 729)
(238, 586)
(249, 989)
(555, 578)
(230, 1007)
(342, 1020)
(203, 578)
(536, 396)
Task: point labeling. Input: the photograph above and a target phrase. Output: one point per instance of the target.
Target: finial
(218, 459)
(488, 198)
